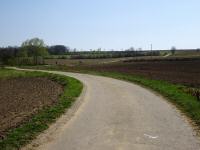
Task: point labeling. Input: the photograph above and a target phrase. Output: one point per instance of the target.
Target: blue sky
(109, 24)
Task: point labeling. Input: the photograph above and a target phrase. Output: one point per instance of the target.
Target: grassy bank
(23, 134)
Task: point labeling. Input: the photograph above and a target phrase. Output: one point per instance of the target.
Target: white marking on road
(151, 137)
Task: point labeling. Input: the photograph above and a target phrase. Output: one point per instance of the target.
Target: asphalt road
(117, 115)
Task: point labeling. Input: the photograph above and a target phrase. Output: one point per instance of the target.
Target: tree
(58, 49)
(34, 42)
(130, 49)
(8, 53)
(173, 50)
(22, 53)
(33, 48)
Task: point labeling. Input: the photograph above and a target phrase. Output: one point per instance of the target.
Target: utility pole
(151, 50)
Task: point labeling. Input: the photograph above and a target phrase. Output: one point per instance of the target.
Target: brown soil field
(175, 70)
(85, 62)
(181, 72)
(22, 97)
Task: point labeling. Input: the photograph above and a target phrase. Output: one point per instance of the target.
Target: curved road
(117, 115)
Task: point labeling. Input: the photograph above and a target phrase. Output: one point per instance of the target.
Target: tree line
(34, 51)
(111, 54)
(31, 52)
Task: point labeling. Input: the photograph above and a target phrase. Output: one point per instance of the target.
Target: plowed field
(22, 97)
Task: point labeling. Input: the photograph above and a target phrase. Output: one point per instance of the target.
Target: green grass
(22, 135)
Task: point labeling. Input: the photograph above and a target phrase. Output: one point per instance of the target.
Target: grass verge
(23, 134)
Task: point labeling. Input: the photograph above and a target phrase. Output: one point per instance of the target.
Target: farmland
(175, 78)
(152, 72)
(82, 62)
(184, 71)
(181, 72)
(30, 101)
(23, 97)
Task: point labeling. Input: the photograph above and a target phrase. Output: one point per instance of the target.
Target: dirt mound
(22, 97)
